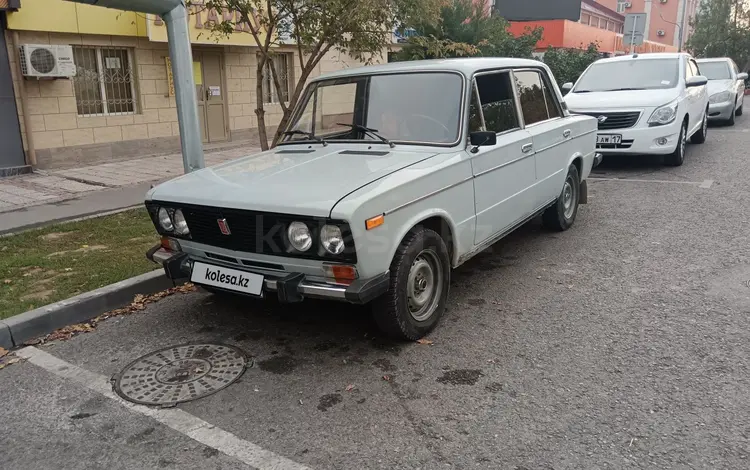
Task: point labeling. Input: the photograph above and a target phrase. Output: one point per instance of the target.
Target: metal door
(207, 68)
(11, 150)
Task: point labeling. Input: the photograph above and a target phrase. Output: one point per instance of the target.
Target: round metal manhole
(180, 373)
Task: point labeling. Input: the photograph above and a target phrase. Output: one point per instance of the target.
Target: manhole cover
(180, 373)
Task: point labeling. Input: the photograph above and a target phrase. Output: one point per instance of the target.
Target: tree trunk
(260, 112)
(292, 104)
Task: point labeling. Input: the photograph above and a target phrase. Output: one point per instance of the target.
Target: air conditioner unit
(663, 1)
(45, 60)
(660, 32)
(628, 5)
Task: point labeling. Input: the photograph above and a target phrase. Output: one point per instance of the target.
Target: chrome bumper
(291, 288)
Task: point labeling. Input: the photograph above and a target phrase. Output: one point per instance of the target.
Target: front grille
(625, 144)
(621, 120)
(253, 231)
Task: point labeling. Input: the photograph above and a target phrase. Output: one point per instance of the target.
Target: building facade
(120, 103)
(664, 17)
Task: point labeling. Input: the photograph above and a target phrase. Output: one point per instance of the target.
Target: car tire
(418, 289)
(731, 121)
(677, 157)
(562, 214)
(739, 110)
(700, 136)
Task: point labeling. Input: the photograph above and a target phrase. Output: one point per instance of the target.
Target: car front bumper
(289, 287)
(643, 140)
(720, 111)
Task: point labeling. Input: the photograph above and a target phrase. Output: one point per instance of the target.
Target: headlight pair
(173, 221)
(301, 239)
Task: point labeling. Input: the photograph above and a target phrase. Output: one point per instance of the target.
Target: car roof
(645, 56)
(466, 66)
(714, 59)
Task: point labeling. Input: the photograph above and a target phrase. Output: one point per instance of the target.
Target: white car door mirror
(566, 87)
(697, 80)
(742, 76)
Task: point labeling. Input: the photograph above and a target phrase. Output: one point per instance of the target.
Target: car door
(738, 84)
(503, 173)
(542, 117)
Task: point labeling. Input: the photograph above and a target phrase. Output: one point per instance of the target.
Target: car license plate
(608, 138)
(226, 278)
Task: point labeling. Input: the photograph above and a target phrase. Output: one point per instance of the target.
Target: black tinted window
(531, 94)
(498, 102)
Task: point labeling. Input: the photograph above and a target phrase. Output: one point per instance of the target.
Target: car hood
(717, 86)
(293, 180)
(602, 100)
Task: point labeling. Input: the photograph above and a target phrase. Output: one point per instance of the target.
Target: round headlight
(299, 236)
(165, 221)
(332, 239)
(180, 224)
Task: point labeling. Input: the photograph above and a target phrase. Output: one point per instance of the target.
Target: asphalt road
(621, 343)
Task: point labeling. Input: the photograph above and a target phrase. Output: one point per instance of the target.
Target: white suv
(645, 103)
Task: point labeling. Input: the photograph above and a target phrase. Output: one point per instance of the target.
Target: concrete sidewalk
(44, 197)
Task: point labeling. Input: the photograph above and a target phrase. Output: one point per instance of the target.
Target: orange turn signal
(374, 222)
(341, 273)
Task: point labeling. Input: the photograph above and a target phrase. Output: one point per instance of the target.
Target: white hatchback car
(726, 88)
(645, 103)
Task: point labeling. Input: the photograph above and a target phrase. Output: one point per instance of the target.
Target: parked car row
(652, 104)
(374, 197)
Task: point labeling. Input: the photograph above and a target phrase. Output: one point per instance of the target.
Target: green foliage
(313, 27)
(465, 29)
(722, 29)
(568, 64)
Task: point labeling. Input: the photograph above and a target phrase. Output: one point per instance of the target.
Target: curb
(14, 331)
(64, 220)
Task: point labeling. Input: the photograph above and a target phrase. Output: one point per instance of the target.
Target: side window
(549, 96)
(688, 70)
(497, 102)
(694, 66)
(531, 93)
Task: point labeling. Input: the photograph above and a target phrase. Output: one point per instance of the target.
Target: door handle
(527, 148)
(566, 133)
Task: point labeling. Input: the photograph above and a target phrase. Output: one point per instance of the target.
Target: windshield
(715, 70)
(635, 74)
(401, 107)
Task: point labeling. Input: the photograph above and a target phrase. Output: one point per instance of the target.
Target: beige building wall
(63, 138)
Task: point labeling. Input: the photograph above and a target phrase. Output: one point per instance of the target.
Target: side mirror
(697, 80)
(482, 138)
(566, 87)
(742, 76)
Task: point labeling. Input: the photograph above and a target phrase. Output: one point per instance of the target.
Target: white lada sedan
(388, 178)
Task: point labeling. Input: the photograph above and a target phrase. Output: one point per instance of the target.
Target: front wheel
(563, 213)
(418, 290)
(739, 110)
(677, 157)
(700, 136)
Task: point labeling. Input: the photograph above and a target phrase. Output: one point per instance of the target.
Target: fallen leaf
(387, 378)
(425, 341)
(84, 246)
(8, 281)
(3, 351)
(350, 387)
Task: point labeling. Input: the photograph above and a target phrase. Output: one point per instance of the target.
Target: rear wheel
(563, 213)
(731, 120)
(418, 290)
(677, 157)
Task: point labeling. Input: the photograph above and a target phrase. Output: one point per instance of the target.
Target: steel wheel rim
(568, 198)
(424, 285)
(705, 124)
(683, 141)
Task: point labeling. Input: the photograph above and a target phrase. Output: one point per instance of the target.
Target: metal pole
(181, 56)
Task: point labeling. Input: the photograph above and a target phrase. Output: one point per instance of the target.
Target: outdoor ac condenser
(45, 60)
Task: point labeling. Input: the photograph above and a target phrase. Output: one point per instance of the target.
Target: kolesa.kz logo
(218, 276)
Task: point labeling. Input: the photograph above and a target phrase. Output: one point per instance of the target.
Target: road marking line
(706, 184)
(650, 181)
(174, 418)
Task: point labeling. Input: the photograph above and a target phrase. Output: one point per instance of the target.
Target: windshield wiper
(367, 130)
(308, 134)
(625, 89)
(583, 91)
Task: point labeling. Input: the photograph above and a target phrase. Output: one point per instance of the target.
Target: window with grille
(281, 62)
(104, 82)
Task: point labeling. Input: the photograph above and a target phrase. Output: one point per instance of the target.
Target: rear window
(715, 70)
(635, 74)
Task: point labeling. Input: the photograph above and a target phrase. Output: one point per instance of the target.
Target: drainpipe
(23, 98)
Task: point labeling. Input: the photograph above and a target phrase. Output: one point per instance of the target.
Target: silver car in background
(726, 88)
